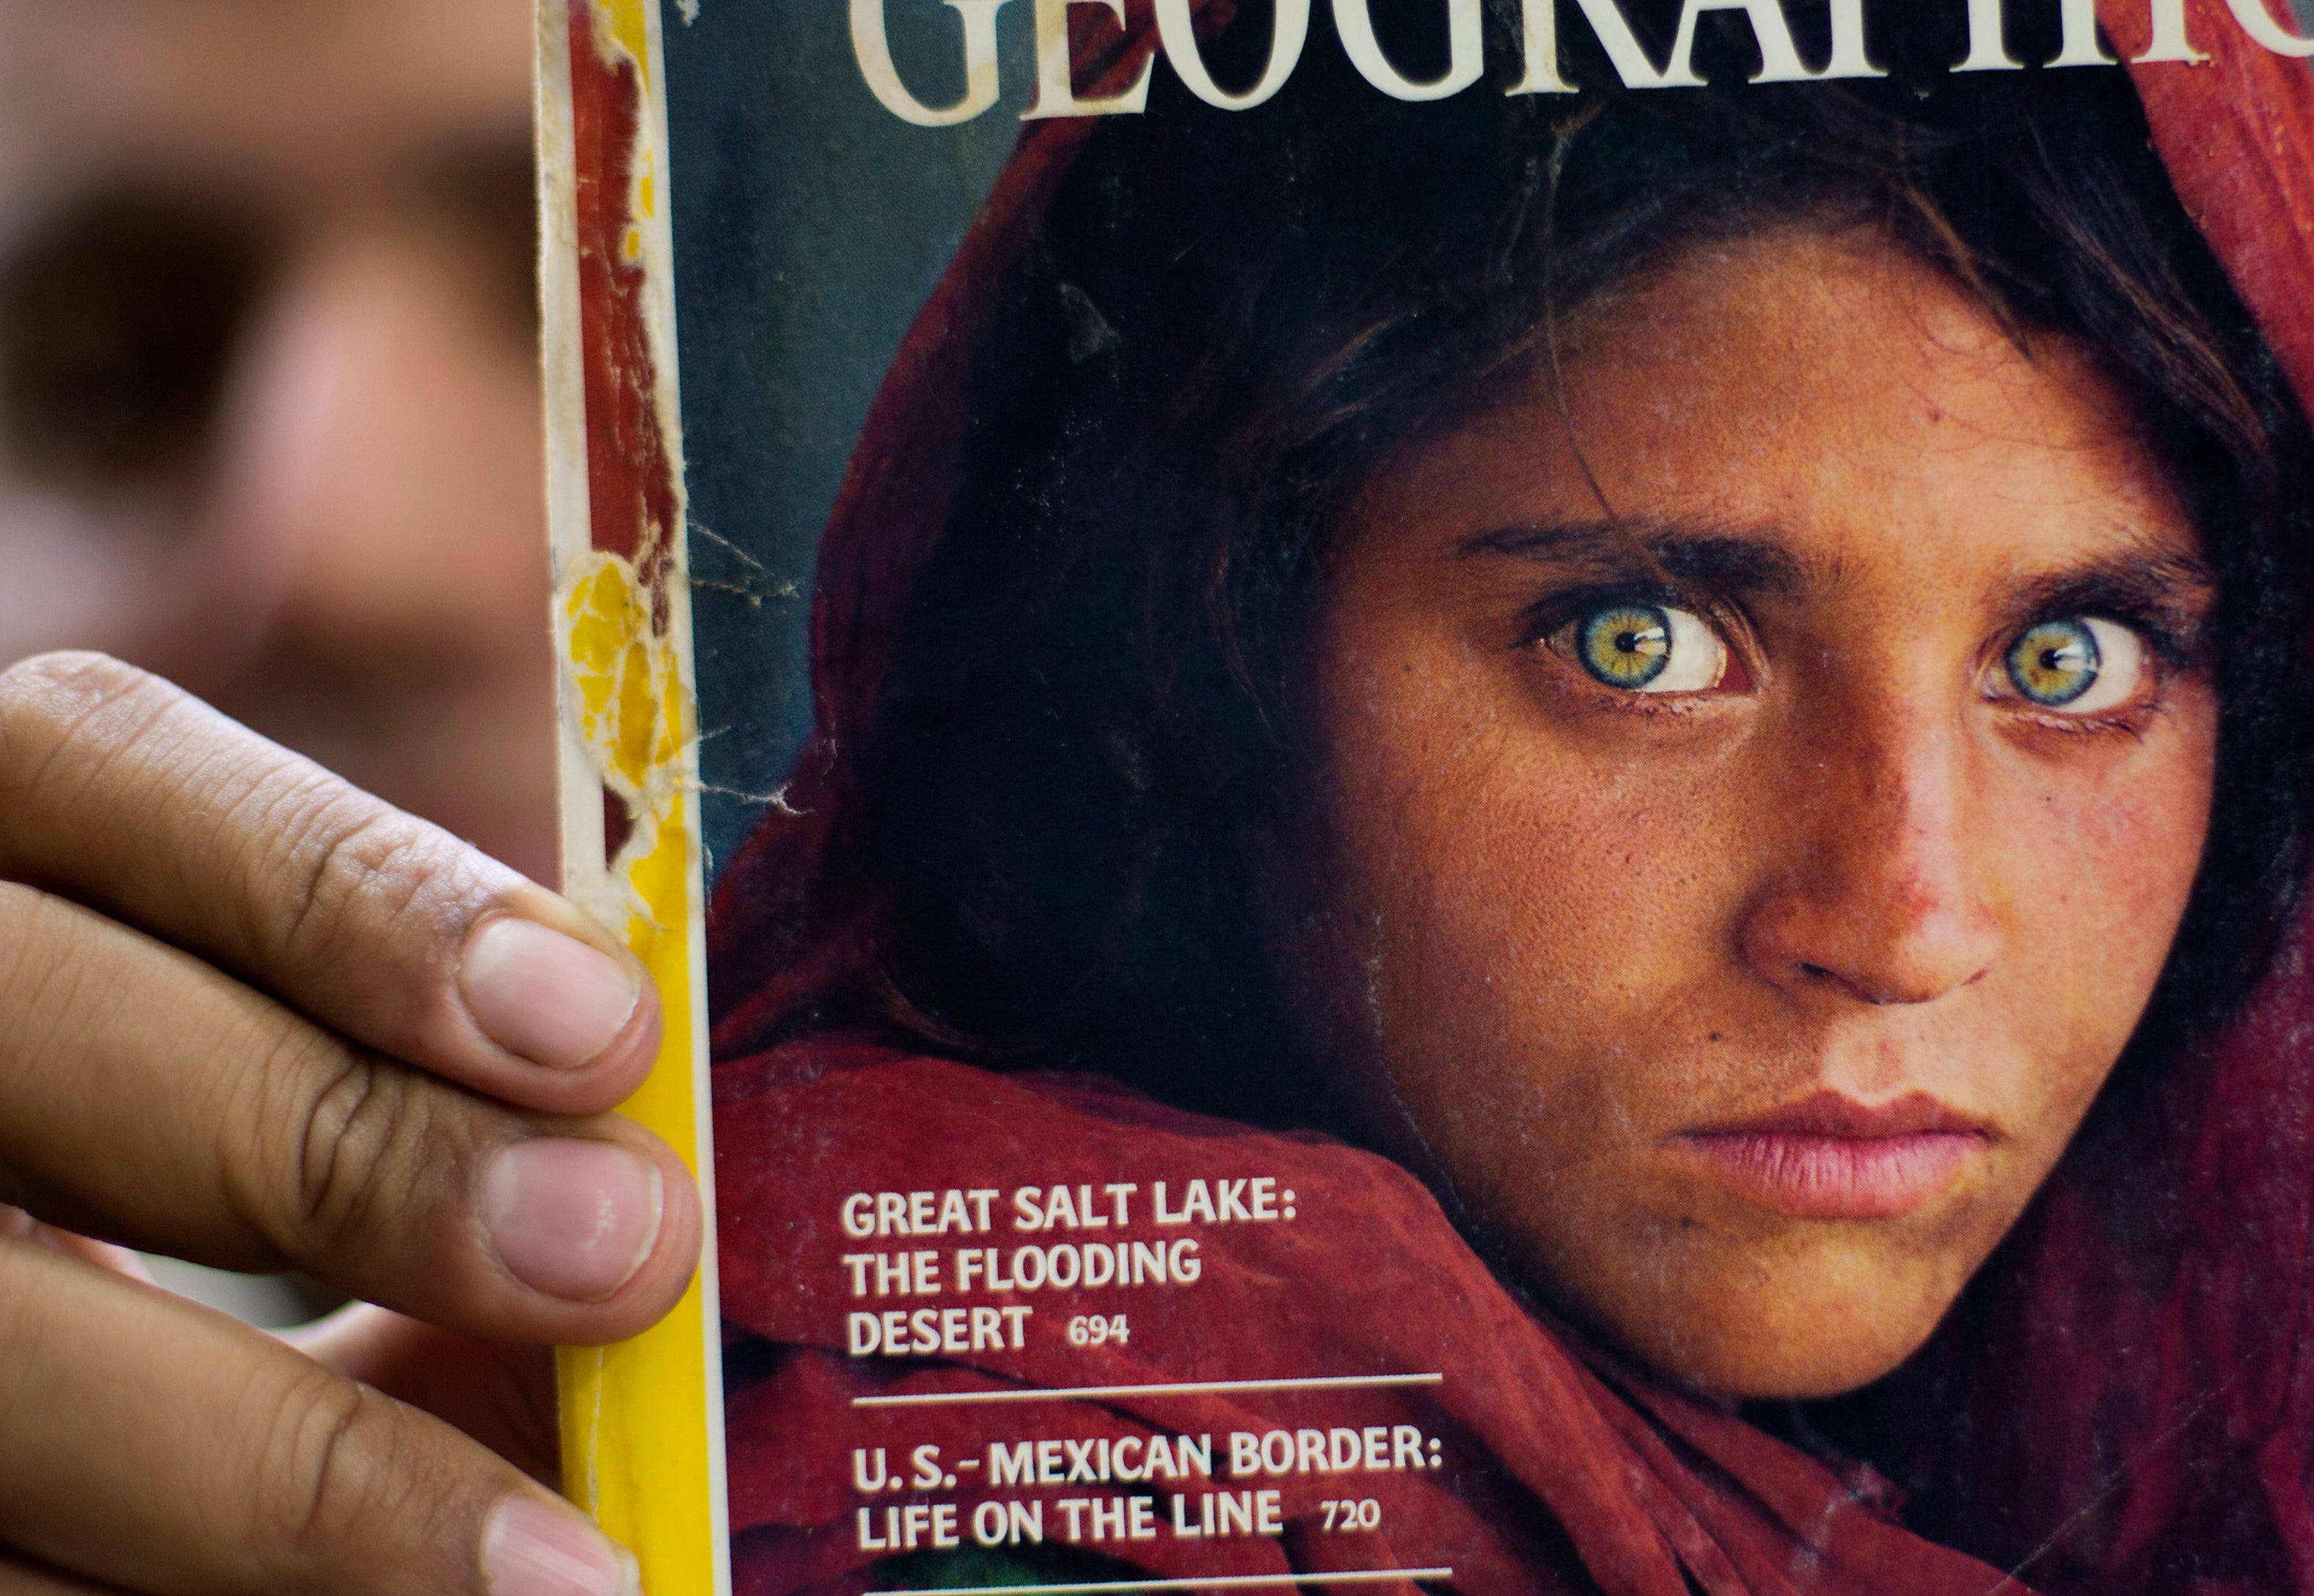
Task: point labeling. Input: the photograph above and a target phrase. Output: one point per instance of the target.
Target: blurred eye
(2079, 665)
(118, 318)
(487, 193)
(1646, 648)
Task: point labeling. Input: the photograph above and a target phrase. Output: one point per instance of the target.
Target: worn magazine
(1463, 794)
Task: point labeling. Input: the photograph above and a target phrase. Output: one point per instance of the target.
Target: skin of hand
(254, 1016)
(272, 428)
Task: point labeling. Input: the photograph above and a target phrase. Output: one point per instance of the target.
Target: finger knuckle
(338, 1463)
(351, 858)
(356, 868)
(355, 1133)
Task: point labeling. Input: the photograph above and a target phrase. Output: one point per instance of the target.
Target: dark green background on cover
(810, 224)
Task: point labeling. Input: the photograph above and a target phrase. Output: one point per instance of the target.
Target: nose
(376, 472)
(379, 454)
(1876, 893)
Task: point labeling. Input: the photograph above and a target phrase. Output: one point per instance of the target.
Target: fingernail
(548, 997)
(533, 1549)
(574, 1220)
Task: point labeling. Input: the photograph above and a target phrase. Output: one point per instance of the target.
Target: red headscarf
(2154, 1420)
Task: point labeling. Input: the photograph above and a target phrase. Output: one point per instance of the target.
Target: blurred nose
(380, 454)
(1877, 895)
(378, 460)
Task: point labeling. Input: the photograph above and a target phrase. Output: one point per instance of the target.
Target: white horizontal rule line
(1324, 1382)
(1215, 1583)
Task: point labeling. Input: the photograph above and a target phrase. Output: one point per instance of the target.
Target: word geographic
(1779, 57)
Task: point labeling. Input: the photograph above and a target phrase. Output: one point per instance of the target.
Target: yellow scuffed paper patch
(633, 715)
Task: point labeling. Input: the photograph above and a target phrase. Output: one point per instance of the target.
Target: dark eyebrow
(2151, 583)
(2166, 589)
(2170, 594)
(1722, 559)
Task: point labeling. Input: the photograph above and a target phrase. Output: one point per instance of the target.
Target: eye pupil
(2054, 663)
(1624, 645)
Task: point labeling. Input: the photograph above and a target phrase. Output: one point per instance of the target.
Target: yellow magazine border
(642, 1421)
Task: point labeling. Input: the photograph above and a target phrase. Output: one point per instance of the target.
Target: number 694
(1094, 1330)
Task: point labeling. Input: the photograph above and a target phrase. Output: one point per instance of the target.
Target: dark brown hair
(1229, 321)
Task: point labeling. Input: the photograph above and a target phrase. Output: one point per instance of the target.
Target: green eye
(1625, 646)
(1643, 648)
(2055, 663)
(2076, 665)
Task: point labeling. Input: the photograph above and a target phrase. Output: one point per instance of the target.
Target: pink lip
(1831, 1157)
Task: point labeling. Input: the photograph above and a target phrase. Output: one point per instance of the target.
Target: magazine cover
(1450, 793)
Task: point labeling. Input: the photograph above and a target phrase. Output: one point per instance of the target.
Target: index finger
(132, 798)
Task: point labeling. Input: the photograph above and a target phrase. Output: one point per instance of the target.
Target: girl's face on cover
(1737, 899)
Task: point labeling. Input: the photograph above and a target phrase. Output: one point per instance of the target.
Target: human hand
(252, 1016)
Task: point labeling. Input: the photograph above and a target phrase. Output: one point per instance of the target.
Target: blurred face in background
(269, 409)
